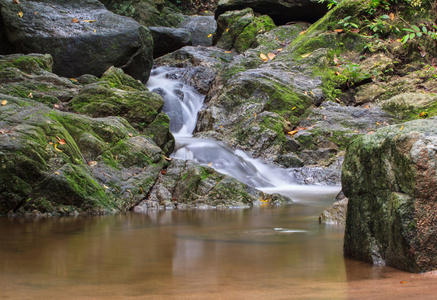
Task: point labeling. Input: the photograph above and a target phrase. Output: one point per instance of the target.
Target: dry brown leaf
(90, 21)
(4, 131)
(302, 32)
(74, 20)
(228, 52)
(20, 14)
(271, 56)
(62, 142)
(263, 57)
(306, 55)
(355, 30)
(339, 30)
(392, 16)
(4, 102)
(92, 163)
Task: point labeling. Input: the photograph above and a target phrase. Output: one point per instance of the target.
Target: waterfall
(182, 104)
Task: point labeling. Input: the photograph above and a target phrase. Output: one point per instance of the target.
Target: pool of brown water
(261, 253)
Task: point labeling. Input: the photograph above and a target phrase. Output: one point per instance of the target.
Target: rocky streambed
(79, 133)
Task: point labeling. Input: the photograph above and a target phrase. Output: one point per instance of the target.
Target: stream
(265, 252)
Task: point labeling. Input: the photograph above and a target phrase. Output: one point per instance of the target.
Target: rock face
(390, 180)
(281, 11)
(82, 36)
(168, 39)
(201, 29)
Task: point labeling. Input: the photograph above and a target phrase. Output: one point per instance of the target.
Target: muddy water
(262, 253)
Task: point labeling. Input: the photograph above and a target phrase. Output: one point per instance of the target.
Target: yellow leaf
(271, 56)
(293, 108)
(210, 35)
(293, 132)
(267, 200)
(311, 93)
(210, 164)
(20, 14)
(255, 115)
(402, 127)
(105, 186)
(302, 32)
(228, 52)
(72, 79)
(95, 31)
(90, 21)
(227, 30)
(56, 148)
(263, 57)
(392, 16)
(306, 55)
(167, 158)
(4, 102)
(57, 173)
(279, 50)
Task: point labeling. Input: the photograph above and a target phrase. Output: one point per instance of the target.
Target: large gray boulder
(167, 39)
(281, 11)
(201, 29)
(82, 36)
(390, 180)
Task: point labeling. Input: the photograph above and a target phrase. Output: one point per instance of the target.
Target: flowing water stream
(258, 253)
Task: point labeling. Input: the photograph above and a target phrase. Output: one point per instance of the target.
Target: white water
(182, 104)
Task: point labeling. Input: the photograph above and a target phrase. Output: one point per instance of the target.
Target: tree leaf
(4, 102)
(74, 20)
(271, 56)
(263, 57)
(20, 14)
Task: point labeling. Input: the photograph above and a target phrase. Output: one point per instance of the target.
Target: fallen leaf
(293, 132)
(271, 56)
(210, 164)
(302, 32)
(402, 127)
(403, 281)
(57, 173)
(306, 55)
(355, 30)
(370, 132)
(339, 30)
(163, 172)
(30, 95)
(167, 158)
(130, 135)
(92, 163)
(4, 102)
(267, 200)
(335, 59)
(255, 115)
(62, 142)
(279, 50)
(228, 52)
(392, 16)
(95, 31)
(20, 14)
(293, 108)
(74, 20)
(210, 35)
(90, 21)
(73, 79)
(16, 2)
(337, 73)
(311, 93)
(263, 57)
(227, 30)
(105, 186)
(3, 131)
(141, 190)
(56, 148)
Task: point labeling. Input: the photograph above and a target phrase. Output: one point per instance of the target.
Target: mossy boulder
(147, 12)
(390, 180)
(54, 162)
(186, 184)
(238, 29)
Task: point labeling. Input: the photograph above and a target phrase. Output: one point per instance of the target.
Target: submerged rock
(390, 180)
(82, 36)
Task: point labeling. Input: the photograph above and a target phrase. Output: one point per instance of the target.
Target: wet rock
(201, 28)
(166, 39)
(147, 12)
(238, 29)
(389, 178)
(186, 184)
(82, 36)
(61, 163)
(281, 11)
(336, 213)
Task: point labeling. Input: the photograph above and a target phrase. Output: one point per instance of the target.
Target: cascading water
(182, 103)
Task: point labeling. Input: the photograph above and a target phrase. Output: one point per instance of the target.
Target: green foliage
(331, 3)
(347, 23)
(414, 32)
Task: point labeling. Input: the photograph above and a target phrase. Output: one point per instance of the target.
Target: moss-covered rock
(390, 180)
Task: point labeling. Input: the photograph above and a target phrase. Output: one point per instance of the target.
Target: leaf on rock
(392, 16)
(30, 95)
(302, 32)
(56, 148)
(262, 200)
(209, 35)
(90, 21)
(271, 56)
(228, 52)
(74, 20)
(4, 102)
(263, 57)
(306, 55)
(339, 30)
(16, 2)
(402, 127)
(92, 163)
(4, 131)
(20, 14)
(293, 132)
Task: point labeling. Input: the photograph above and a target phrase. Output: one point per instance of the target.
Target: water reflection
(191, 254)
